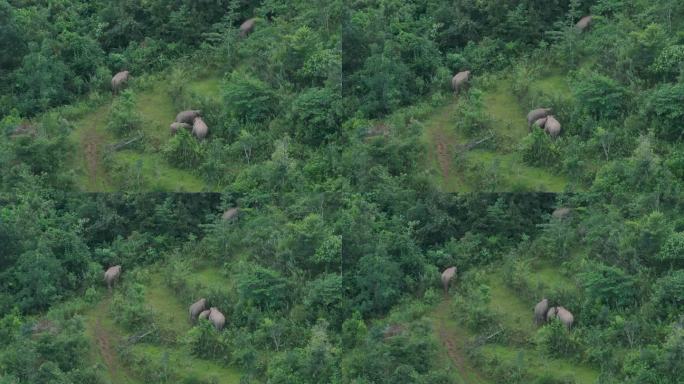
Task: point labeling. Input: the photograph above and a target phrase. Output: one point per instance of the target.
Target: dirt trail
(444, 155)
(453, 342)
(442, 142)
(105, 348)
(92, 144)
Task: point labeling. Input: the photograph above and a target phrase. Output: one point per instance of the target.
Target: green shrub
(184, 150)
(538, 149)
(123, 117)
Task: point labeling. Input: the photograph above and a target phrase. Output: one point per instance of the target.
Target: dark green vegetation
(331, 272)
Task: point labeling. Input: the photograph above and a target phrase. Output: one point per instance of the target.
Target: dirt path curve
(453, 344)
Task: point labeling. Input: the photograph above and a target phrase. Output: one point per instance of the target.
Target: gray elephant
(537, 114)
(119, 81)
(247, 27)
(447, 276)
(204, 314)
(217, 318)
(112, 275)
(196, 308)
(230, 214)
(540, 311)
(199, 128)
(552, 127)
(551, 313)
(561, 213)
(460, 80)
(584, 23)
(565, 317)
(541, 123)
(175, 127)
(188, 117)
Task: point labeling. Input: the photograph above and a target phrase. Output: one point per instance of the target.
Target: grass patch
(554, 84)
(158, 174)
(516, 314)
(537, 365)
(209, 277)
(156, 107)
(209, 87)
(513, 174)
(91, 137)
(189, 367)
(166, 306)
(510, 120)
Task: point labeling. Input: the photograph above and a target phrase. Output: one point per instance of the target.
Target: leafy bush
(129, 309)
(600, 96)
(539, 149)
(554, 340)
(206, 342)
(249, 99)
(123, 117)
(184, 150)
(664, 107)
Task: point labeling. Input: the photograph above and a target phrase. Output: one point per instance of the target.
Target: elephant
(540, 311)
(204, 314)
(230, 214)
(247, 27)
(199, 128)
(551, 313)
(584, 23)
(460, 80)
(565, 317)
(217, 318)
(447, 275)
(537, 114)
(552, 127)
(119, 80)
(112, 275)
(175, 127)
(562, 314)
(197, 307)
(541, 123)
(188, 117)
(561, 213)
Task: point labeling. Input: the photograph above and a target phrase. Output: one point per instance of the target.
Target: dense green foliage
(330, 273)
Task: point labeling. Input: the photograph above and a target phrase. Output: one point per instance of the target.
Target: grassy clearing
(156, 107)
(504, 164)
(166, 307)
(209, 87)
(105, 336)
(158, 175)
(539, 365)
(554, 84)
(509, 118)
(91, 137)
(208, 277)
(514, 175)
(516, 314)
(187, 366)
